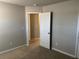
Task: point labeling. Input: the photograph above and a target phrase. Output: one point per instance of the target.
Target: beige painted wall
(64, 25)
(12, 26)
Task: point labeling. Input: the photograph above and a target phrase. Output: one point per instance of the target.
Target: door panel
(45, 29)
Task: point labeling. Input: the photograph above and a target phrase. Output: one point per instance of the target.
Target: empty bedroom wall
(12, 26)
(65, 18)
(78, 29)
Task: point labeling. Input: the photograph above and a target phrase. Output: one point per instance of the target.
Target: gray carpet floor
(43, 53)
(33, 53)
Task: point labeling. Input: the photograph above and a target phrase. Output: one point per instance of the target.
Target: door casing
(28, 26)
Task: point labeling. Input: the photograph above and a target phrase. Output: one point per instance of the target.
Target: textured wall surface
(65, 18)
(78, 28)
(12, 26)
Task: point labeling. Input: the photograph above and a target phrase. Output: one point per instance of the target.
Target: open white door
(45, 19)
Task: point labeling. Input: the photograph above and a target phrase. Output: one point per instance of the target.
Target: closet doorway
(34, 30)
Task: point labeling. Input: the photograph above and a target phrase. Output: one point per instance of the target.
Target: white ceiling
(32, 2)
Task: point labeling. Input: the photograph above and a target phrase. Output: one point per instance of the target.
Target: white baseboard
(11, 49)
(64, 52)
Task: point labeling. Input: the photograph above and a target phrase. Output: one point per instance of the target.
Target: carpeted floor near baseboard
(33, 53)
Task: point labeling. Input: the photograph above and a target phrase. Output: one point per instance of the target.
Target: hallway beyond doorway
(34, 30)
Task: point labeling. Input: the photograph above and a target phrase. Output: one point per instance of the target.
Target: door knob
(48, 32)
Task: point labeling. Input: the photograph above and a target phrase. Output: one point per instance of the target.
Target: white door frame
(28, 26)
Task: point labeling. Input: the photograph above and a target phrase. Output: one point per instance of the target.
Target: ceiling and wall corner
(32, 2)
